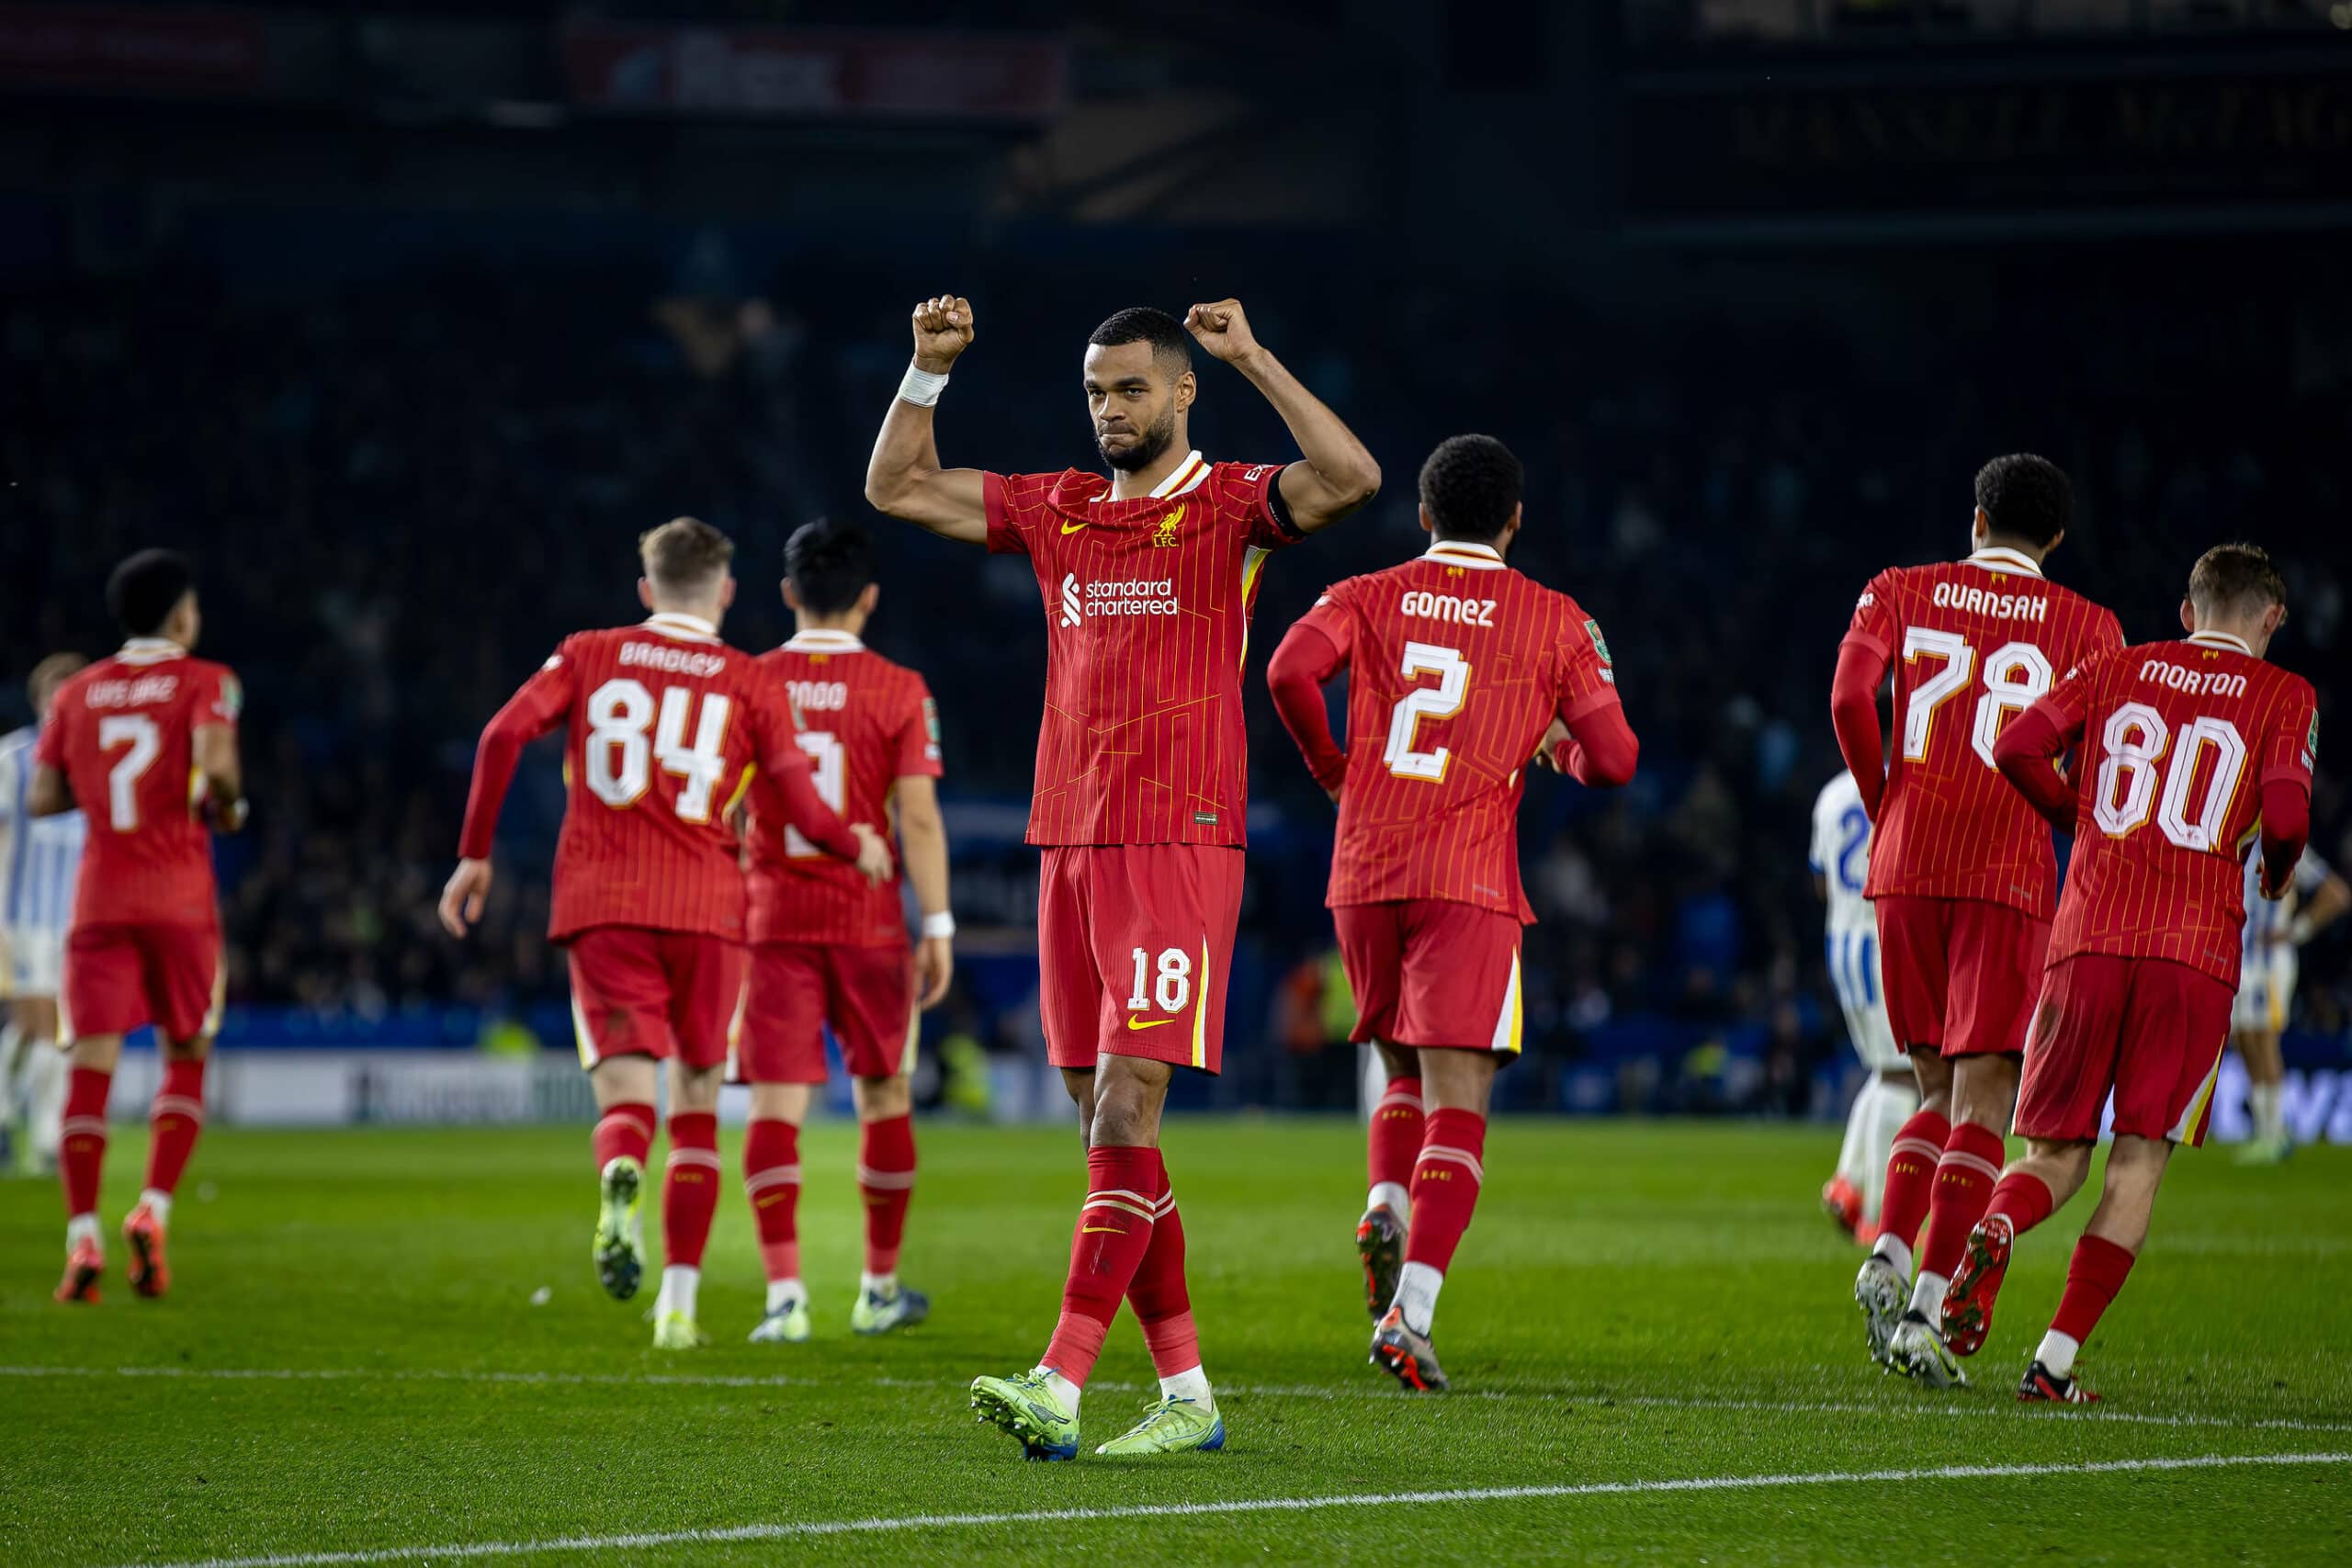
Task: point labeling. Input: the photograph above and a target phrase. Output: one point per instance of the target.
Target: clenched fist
(943, 331)
(1223, 329)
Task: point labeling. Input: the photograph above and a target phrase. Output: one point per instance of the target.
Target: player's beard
(1147, 448)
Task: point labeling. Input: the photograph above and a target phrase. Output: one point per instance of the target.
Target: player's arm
(2288, 756)
(2328, 902)
(1863, 660)
(1336, 474)
(47, 794)
(530, 713)
(1315, 649)
(2030, 746)
(1597, 747)
(789, 787)
(923, 849)
(214, 747)
(903, 477)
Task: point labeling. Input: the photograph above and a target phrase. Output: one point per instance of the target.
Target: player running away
(40, 859)
(2190, 750)
(1147, 577)
(1961, 872)
(829, 947)
(666, 727)
(146, 743)
(1459, 670)
(1840, 857)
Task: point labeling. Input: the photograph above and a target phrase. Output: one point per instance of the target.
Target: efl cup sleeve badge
(2311, 744)
(1600, 643)
(232, 700)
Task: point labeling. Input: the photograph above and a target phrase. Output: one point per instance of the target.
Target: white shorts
(2266, 992)
(32, 961)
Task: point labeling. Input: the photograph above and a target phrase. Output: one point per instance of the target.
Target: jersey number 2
(1441, 701)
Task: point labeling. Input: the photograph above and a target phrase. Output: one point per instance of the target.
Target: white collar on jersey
(1189, 473)
(692, 628)
(2222, 639)
(150, 650)
(822, 640)
(2000, 557)
(1463, 552)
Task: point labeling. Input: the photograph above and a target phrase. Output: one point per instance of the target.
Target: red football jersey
(1456, 666)
(1973, 643)
(665, 727)
(122, 732)
(2178, 739)
(866, 724)
(1147, 604)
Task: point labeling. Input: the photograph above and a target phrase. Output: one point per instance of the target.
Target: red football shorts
(1431, 972)
(867, 994)
(1960, 973)
(2148, 1028)
(120, 977)
(646, 993)
(1133, 945)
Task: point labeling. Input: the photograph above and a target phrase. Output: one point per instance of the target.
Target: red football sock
(2024, 1198)
(1963, 1186)
(1114, 1231)
(1911, 1176)
(176, 1117)
(625, 1129)
(2093, 1278)
(1445, 1185)
(1394, 1142)
(886, 1180)
(1163, 1305)
(83, 1152)
(690, 1188)
(772, 1181)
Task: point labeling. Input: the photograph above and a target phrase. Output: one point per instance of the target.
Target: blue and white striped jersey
(40, 857)
(2266, 921)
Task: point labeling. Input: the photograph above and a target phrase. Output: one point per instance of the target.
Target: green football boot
(620, 1234)
(1025, 1405)
(1172, 1426)
(788, 1326)
(875, 1313)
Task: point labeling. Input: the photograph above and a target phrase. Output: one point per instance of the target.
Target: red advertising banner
(129, 48)
(745, 70)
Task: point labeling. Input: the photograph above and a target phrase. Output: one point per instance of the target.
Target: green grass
(1634, 1303)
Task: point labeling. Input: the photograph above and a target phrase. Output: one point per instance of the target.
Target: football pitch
(1654, 1354)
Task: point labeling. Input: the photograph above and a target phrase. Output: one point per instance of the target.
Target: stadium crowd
(401, 497)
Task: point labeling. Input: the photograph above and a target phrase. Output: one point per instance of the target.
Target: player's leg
(617, 1018)
(1890, 1098)
(780, 1048)
(2102, 1260)
(1371, 952)
(104, 1000)
(41, 1067)
(185, 986)
(870, 996)
(1914, 959)
(1446, 1178)
(705, 984)
(2265, 1075)
(2030, 1192)
(1841, 1195)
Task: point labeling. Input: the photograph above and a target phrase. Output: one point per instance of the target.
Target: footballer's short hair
(50, 674)
(1172, 347)
(1470, 486)
(2026, 497)
(2234, 578)
(684, 555)
(828, 565)
(145, 590)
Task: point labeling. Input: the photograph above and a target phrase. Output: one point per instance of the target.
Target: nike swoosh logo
(1102, 1230)
(1135, 1022)
(1074, 527)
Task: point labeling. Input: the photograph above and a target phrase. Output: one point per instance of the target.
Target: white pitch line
(807, 1527)
(1904, 1408)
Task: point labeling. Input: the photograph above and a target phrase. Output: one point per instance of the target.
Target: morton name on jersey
(865, 723)
(2176, 741)
(1973, 643)
(1147, 607)
(665, 727)
(123, 733)
(1456, 666)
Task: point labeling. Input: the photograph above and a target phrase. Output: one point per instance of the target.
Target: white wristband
(921, 387)
(2299, 930)
(941, 924)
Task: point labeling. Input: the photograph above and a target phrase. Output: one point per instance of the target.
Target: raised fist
(943, 331)
(1223, 329)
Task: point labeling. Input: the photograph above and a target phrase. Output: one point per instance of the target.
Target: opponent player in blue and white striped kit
(39, 858)
(2267, 973)
(1840, 857)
